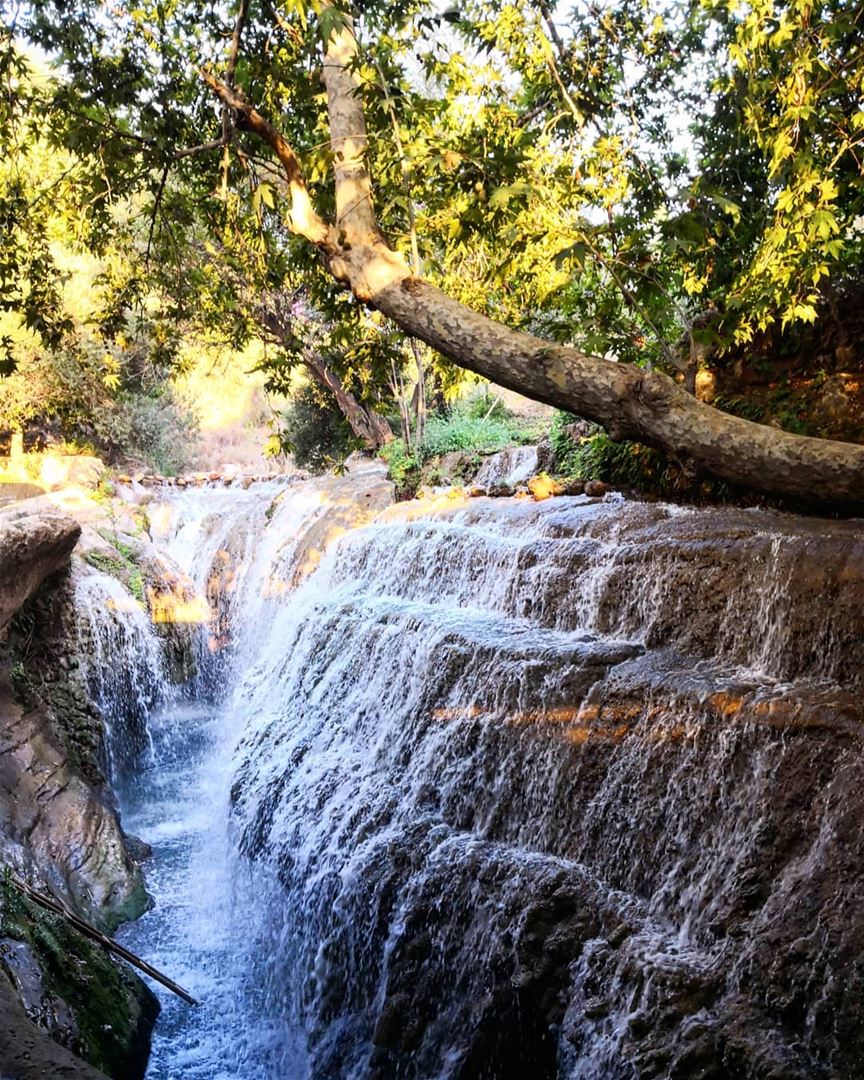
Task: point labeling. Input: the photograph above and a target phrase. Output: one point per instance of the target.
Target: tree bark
(366, 424)
(629, 402)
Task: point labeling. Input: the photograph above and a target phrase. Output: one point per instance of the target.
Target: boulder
(542, 486)
(61, 470)
(36, 540)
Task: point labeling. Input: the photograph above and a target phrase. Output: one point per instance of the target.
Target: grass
(471, 427)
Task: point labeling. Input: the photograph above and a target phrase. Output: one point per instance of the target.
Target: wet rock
(500, 491)
(596, 489)
(566, 853)
(29, 1053)
(70, 995)
(139, 850)
(511, 467)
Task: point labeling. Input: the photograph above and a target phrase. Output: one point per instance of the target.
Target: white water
(399, 729)
(124, 668)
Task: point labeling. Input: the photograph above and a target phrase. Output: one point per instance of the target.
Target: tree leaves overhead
(608, 172)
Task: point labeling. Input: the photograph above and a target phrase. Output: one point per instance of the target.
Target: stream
(478, 788)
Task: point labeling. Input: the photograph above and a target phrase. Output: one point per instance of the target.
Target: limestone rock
(35, 542)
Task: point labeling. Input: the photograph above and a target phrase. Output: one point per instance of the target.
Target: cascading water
(124, 668)
(516, 790)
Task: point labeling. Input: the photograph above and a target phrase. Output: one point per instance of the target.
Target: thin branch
(56, 907)
(190, 151)
(156, 204)
(230, 71)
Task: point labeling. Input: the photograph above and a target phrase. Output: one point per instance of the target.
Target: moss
(22, 684)
(271, 509)
(38, 637)
(108, 564)
(136, 585)
(121, 566)
(114, 1011)
(77, 726)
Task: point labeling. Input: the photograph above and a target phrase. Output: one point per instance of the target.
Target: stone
(596, 489)
(36, 540)
(61, 470)
(543, 486)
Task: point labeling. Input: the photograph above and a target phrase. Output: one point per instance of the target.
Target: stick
(107, 943)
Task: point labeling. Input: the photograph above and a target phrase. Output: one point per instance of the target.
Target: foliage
(462, 431)
(647, 181)
(594, 456)
(314, 431)
(403, 468)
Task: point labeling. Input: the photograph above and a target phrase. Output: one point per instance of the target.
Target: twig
(107, 943)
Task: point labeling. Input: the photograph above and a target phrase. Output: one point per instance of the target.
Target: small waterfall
(516, 789)
(513, 466)
(123, 664)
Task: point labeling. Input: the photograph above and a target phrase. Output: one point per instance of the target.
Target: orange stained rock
(177, 606)
(726, 703)
(542, 486)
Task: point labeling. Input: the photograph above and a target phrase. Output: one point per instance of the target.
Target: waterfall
(122, 664)
(513, 466)
(516, 789)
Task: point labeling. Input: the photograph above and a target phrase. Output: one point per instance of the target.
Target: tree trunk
(629, 402)
(365, 423)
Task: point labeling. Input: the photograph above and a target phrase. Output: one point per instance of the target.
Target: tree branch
(303, 219)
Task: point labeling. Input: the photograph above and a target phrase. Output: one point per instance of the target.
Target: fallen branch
(83, 927)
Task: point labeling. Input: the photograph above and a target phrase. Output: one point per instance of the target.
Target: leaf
(575, 253)
(331, 22)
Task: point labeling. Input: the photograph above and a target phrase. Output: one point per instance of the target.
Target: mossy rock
(112, 1010)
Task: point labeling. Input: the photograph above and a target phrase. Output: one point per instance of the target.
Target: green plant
(136, 585)
(314, 430)
(403, 468)
(22, 685)
(108, 564)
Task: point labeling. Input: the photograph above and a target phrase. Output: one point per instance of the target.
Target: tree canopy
(529, 189)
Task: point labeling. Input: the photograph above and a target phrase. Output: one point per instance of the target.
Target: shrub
(403, 468)
(467, 427)
(315, 431)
